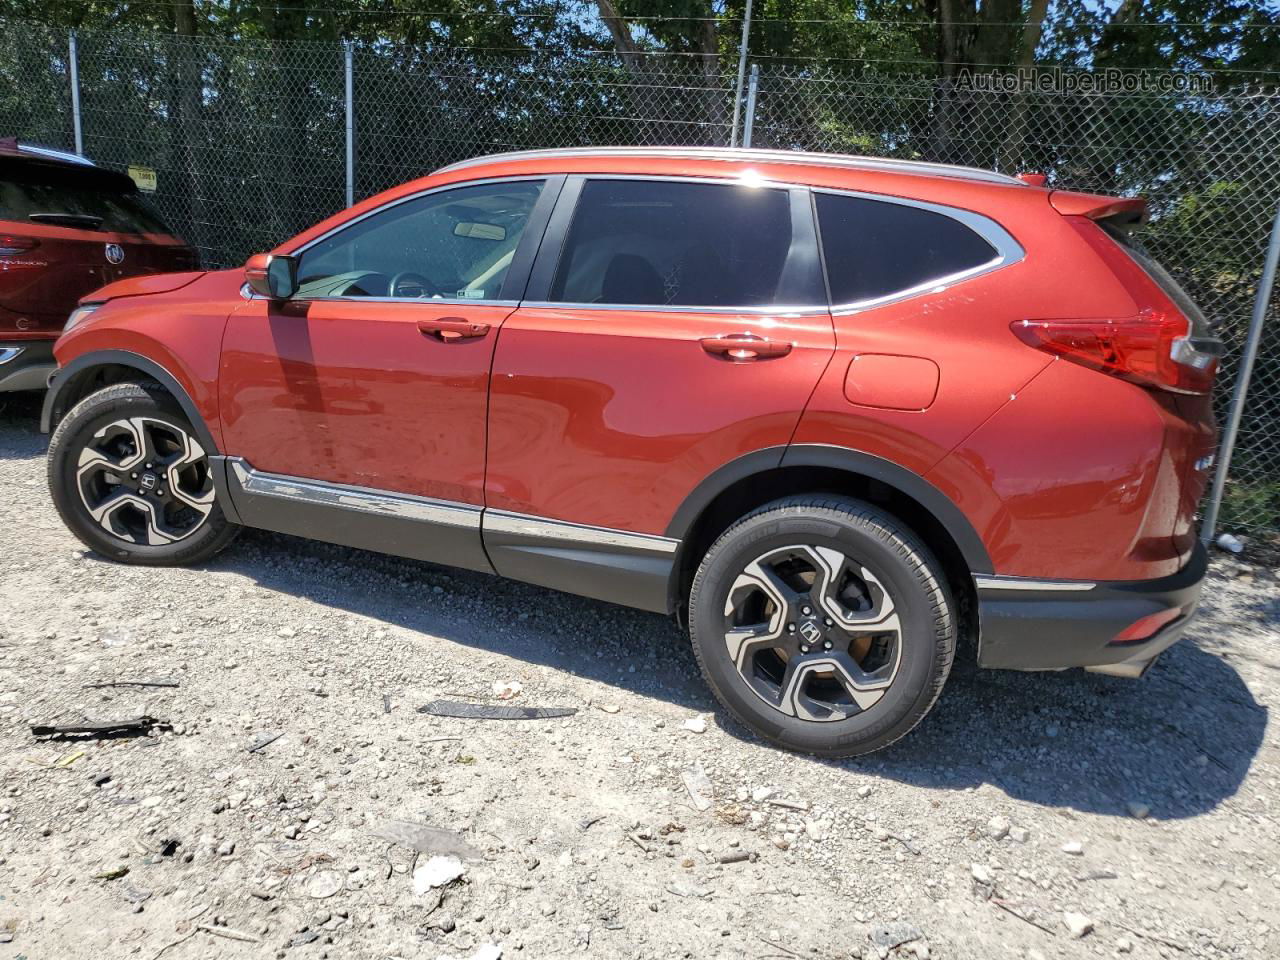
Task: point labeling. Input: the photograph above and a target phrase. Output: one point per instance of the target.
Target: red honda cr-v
(66, 227)
(831, 412)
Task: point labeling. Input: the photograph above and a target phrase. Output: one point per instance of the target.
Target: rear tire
(823, 624)
(130, 479)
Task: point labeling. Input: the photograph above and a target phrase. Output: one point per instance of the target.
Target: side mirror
(274, 276)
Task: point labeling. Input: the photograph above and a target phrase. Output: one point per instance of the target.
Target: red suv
(66, 227)
(830, 412)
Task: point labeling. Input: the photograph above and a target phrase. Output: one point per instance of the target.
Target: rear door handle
(745, 347)
(452, 329)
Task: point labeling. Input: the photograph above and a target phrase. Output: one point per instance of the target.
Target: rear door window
(877, 248)
(81, 199)
(668, 243)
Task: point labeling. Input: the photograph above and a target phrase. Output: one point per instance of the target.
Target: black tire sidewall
(73, 434)
(901, 565)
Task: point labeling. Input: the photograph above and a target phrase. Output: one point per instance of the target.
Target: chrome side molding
(540, 528)
(441, 512)
(985, 582)
(364, 499)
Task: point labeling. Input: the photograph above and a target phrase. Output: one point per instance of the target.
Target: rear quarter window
(878, 248)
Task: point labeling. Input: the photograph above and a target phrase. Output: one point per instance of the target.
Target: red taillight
(1148, 626)
(1152, 348)
(11, 246)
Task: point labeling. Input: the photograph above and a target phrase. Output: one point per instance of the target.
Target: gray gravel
(1032, 816)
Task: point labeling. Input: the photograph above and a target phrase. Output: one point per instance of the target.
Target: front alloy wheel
(823, 624)
(130, 478)
(145, 481)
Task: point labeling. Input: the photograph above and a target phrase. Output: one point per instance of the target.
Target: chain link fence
(249, 142)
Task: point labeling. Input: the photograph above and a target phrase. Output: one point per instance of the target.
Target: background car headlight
(78, 314)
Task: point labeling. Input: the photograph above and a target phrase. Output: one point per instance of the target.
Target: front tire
(823, 624)
(131, 480)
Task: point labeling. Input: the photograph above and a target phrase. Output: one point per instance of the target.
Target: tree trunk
(188, 78)
(1011, 152)
(709, 42)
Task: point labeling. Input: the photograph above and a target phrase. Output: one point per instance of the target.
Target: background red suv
(831, 412)
(66, 228)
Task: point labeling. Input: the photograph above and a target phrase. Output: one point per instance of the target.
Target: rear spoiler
(1121, 212)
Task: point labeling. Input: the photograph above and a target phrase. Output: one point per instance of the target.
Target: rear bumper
(26, 364)
(1055, 625)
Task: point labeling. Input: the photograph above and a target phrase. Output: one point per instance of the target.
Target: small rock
(226, 848)
(761, 794)
(506, 689)
(1077, 924)
(980, 874)
(1019, 834)
(817, 830)
(998, 828)
(890, 935)
(1124, 945)
(437, 872)
(864, 792)
(696, 724)
(324, 884)
(1138, 810)
(699, 786)
(1073, 847)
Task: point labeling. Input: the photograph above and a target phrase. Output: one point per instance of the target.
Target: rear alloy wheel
(823, 624)
(133, 482)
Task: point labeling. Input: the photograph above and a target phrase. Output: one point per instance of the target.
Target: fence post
(1227, 445)
(349, 73)
(742, 69)
(753, 87)
(73, 72)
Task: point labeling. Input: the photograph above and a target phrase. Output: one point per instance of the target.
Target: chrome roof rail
(886, 164)
(54, 154)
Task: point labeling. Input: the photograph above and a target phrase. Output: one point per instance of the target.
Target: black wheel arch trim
(942, 507)
(55, 401)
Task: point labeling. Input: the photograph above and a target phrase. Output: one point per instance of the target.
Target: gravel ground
(1032, 816)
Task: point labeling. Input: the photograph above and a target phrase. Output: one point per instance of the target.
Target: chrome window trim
(449, 513)
(454, 185)
(364, 499)
(1008, 250)
(781, 310)
(8, 353)
(526, 525)
(983, 582)
(845, 161)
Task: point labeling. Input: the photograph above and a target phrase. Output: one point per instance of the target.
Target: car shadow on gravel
(20, 426)
(1178, 741)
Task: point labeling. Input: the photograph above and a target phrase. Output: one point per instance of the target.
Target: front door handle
(452, 329)
(745, 347)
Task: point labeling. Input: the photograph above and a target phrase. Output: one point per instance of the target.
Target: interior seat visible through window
(672, 243)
